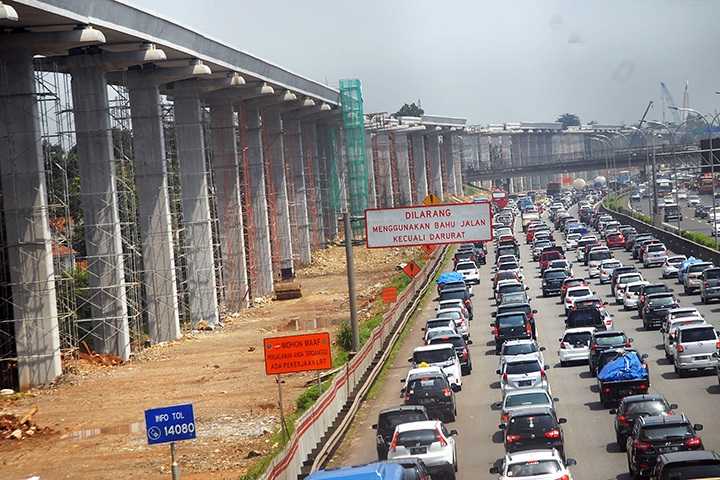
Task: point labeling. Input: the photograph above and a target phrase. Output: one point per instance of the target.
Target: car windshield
(388, 421)
(634, 288)
(449, 314)
(662, 432)
(434, 356)
(438, 323)
(526, 425)
(580, 292)
(607, 340)
(506, 276)
(415, 438)
(648, 407)
(511, 320)
(533, 468)
(455, 294)
(519, 349)
(697, 334)
(555, 275)
(519, 368)
(524, 399)
(662, 301)
(577, 338)
(656, 248)
(690, 472)
(649, 289)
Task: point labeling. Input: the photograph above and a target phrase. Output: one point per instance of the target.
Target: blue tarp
(627, 367)
(685, 265)
(449, 277)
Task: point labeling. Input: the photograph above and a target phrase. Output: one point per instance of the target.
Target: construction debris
(106, 359)
(12, 428)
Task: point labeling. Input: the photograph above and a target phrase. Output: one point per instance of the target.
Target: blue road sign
(170, 424)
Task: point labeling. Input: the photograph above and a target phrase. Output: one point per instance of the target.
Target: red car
(615, 240)
(547, 257)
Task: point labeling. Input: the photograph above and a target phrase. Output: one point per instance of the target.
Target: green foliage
(569, 120)
(344, 336)
(700, 238)
(409, 110)
(308, 397)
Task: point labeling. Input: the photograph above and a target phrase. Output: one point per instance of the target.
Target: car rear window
(456, 341)
(511, 288)
(634, 288)
(630, 279)
(457, 294)
(607, 340)
(554, 275)
(414, 438)
(650, 407)
(610, 265)
(527, 425)
(434, 356)
(449, 314)
(656, 248)
(697, 334)
(388, 421)
(580, 292)
(654, 289)
(519, 349)
(517, 368)
(712, 274)
(675, 261)
(662, 301)
(533, 468)
(508, 266)
(577, 338)
(660, 432)
(465, 266)
(526, 399)
(438, 323)
(511, 320)
(689, 472)
(697, 268)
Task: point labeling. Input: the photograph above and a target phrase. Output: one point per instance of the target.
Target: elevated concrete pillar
(383, 180)
(403, 168)
(198, 247)
(516, 160)
(300, 225)
(275, 150)
(107, 330)
(312, 183)
(259, 238)
(435, 176)
(457, 158)
(372, 192)
(28, 239)
(151, 182)
(448, 164)
(227, 199)
(327, 159)
(420, 167)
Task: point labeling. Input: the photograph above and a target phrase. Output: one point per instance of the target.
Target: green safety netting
(354, 129)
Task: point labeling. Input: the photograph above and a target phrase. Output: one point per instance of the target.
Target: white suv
(534, 464)
(656, 254)
(623, 281)
(428, 440)
(469, 271)
(606, 269)
(575, 345)
(523, 371)
(669, 331)
(696, 347)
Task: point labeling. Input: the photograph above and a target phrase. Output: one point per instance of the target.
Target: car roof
(579, 330)
(643, 398)
(532, 412)
(420, 425)
(520, 341)
(556, 269)
(384, 470)
(579, 287)
(439, 346)
(640, 282)
(692, 327)
(660, 295)
(402, 408)
(609, 333)
(683, 310)
(455, 289)
(664, 420)
(525, 357)
(524, 391)
(688, 456)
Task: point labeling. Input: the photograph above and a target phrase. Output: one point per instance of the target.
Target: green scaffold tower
(351, 102)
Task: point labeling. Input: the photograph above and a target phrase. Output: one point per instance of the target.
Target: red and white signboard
(428, 225)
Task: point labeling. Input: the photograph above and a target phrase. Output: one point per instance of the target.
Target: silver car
(519, 399)
(669, 331)
(692, 280)
(695, 348)
(523, 371)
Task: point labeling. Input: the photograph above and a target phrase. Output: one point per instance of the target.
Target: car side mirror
(468, 342)
(562, 420)
(644, 356)
(422, 328)
(631, 340)
(613, 411)
(673, 406)
(605, 303)
(455, 387)
(570, 462)
(374, 426)
(527, 288)
(534, 311)
(454, 433)
(697, 427)
(402, 380)
(502, 426)
(556, 399)
(497, 372)
(547, 367)
(493, 314)
(560, 340)
(716, 355)
(409, 359)
(662, 329)
(542, 349)
(494, 470)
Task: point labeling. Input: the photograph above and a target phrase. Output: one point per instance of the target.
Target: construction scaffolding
(354, 132)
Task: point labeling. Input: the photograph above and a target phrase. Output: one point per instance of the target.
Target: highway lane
(689, 221)
(589, 434)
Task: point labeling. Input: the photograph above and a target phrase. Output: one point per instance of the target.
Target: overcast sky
(490, 61)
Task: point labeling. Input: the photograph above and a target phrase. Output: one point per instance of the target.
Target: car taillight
(495, 331)
(679, 348)
(606, 390)
(504, 417)
(505, 377)
(706, 284)
(623, 419)
(447, 392)
(393, 442)
(439, 437)
(512, 438)
(594, 347)
(465, 354)
(643, 386)
(543, 374)
(717, 344)
(628, 345)
(564, 477)
(528, 329)
(563, 345)
(552, 434)
(693, 442)
(642, 446)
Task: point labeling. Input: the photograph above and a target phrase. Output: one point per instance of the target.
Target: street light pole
(653, 201)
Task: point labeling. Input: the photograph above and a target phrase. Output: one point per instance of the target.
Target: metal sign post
(169, 425)
(174, 467)
(351, 283)
(283, 423)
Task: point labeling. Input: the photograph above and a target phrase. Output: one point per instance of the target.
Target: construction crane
(686, 104)
(667, 101)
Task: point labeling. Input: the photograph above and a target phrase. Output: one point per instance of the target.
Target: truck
(553, 189)
(528, 217)
(705, 183)
(621, 372)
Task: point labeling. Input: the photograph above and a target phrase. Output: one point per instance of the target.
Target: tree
(569, 120)
(409, 110)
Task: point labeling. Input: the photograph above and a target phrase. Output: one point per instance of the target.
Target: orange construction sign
(431, 199)
(389, 295)
(428, 249)
(297, 353)
(411, 269)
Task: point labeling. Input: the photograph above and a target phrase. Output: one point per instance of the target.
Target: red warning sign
(389, 295)
(411, 269)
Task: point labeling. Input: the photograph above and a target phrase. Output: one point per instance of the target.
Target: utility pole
(351, 282)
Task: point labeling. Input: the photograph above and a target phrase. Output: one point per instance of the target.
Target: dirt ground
(96, 413)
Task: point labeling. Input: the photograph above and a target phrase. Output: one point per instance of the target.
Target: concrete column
(383, 181)
(457, 158)
(435, 177)
(300, 227)
(107, 331)
(312, 177)
(448, 164)
(227, 199)
(326, 159)
(372, 192)
(516, 160)
(272, 123)
(259, 238)
(28, 239)
(403, 168)
(151, 183)
(420, 165)
(198, 247)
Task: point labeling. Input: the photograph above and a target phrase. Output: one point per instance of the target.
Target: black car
(523, 307)
(605, 340)
(649, 289)
(390, 418)
(534, 428)
(634, 406)
(693, 464)
(701, 211)
(510, 326)
(552, 280)
(586, 317)
(461, 347)
(413, 468)
(616, 273)
(458, 294)
(434, 392)
(657, 435)
(656, 309)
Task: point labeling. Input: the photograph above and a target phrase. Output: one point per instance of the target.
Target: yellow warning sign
(431, 200)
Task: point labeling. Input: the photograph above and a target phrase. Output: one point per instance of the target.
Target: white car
(575, 345)
(682, 194)
(693, 200)
(596, 256)
(656, 254)
(506, 258)
(632, 294)
(534, 465)
(526, 398)
(669, 332)
(606, 269)
(428, 440)
(571, 241)
(441, 355)
(431, 333)
(469, 271)
(527, 346)
(622, 281)
(461, 322)
(523, 371)
(672, 265)
(453, 303)
(576, 293)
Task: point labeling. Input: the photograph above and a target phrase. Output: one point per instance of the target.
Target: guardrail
(674, 242)
(316, 426)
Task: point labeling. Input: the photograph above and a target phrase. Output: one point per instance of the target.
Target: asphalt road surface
(589, 434)
(689, 221)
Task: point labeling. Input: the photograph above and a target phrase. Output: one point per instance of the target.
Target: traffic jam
(586, 262)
